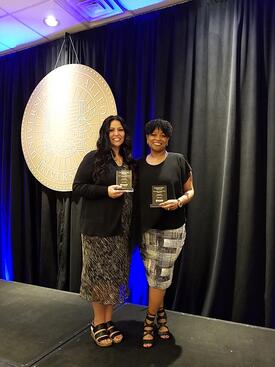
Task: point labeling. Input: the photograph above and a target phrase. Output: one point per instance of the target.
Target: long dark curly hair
(104, 155)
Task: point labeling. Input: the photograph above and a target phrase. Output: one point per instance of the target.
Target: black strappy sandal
(113, 332)
(148, 329)
(162, 323)
(99, 333)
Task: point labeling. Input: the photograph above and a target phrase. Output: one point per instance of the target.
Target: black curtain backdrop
(208, 67)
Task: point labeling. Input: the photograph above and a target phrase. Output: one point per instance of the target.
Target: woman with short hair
(165, 187)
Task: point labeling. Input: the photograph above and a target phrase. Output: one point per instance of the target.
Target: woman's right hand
(114, 191)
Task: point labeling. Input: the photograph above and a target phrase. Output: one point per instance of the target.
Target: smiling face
(116, 134)
(157, 141)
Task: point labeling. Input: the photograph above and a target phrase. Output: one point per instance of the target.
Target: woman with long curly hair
(105, 227)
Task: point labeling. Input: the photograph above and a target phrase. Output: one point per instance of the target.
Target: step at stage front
(50, 328)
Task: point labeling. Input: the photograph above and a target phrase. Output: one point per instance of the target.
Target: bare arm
(188, 193)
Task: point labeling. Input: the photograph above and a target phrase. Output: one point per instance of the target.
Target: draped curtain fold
(208, 67)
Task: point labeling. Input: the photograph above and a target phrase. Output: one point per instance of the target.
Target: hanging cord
(67, 37)
(60, 52)
(70, 38)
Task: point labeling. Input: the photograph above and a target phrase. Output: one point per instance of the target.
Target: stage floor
(49, 328)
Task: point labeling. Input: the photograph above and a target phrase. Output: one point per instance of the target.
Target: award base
(155, 206)
(127, 190)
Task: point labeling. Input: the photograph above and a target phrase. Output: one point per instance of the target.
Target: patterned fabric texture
(106, 262)
(159, 251)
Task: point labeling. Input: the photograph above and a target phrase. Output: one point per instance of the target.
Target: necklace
(118, 159)
(157, 159)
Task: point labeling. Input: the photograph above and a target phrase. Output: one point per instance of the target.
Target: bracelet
(180, 204)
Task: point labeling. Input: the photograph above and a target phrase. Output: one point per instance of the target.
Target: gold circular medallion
(61, 123)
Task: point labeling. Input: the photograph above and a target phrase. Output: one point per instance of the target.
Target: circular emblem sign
(61, 123)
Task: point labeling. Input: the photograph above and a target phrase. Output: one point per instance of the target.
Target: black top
(100, 215)
(173, 172)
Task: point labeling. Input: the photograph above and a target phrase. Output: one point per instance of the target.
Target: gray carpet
(62, 336)
(36, 320)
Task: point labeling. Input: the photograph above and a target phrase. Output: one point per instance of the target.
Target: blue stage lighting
(134, 4)
(5, 241)
(137, 281)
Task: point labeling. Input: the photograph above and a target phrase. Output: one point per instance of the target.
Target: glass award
(124, 179)
(159, 195)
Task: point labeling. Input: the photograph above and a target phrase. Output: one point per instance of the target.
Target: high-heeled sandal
(114, 332)
(162, 324)
(99, 334)
(148, 329)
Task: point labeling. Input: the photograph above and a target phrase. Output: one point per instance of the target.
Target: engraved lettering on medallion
(61, 123)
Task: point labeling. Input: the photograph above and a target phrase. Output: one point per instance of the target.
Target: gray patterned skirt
(159, 251)
(106, 263)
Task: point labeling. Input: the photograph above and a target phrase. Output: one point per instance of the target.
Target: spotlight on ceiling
(51, 21)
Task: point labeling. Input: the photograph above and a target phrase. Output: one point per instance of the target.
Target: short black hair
(163, 125)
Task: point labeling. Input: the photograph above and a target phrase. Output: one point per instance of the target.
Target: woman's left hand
(171, 204)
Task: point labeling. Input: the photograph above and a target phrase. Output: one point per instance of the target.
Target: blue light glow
(137, 281)
(5, 238)
(6, 271)
(134, 4)
(13, 33)
(3, 47)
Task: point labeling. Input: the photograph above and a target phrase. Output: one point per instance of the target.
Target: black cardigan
(100, 215)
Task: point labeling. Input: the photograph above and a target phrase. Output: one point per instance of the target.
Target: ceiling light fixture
(51, 21)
